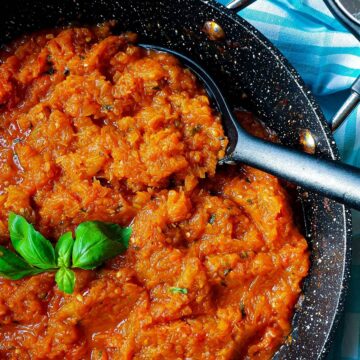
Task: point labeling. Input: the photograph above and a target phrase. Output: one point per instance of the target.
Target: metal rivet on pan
(213, 30)
(307, 141)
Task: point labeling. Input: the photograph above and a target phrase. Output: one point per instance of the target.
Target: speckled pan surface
(254, 75)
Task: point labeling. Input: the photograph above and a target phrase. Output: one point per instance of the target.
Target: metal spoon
(329, 178)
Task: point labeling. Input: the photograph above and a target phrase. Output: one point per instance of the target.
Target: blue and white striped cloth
(327, 57)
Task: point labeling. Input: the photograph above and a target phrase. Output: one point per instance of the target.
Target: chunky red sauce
(93, 127)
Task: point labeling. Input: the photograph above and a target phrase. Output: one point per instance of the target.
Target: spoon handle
(329, 178)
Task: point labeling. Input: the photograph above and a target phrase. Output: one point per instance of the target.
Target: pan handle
(347, 108)
(238, 5)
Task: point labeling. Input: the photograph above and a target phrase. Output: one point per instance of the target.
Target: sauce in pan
(93, 127)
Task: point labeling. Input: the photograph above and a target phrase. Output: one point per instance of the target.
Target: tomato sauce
(92, 127)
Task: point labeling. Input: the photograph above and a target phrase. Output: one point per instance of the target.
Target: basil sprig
(94, 243)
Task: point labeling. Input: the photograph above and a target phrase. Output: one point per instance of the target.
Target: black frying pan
(254, 75)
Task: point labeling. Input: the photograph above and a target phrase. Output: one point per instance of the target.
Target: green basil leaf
(96, 242)
(65, 279)
(125, 236)
(13, 266)
(63, 249)
(30, 244)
